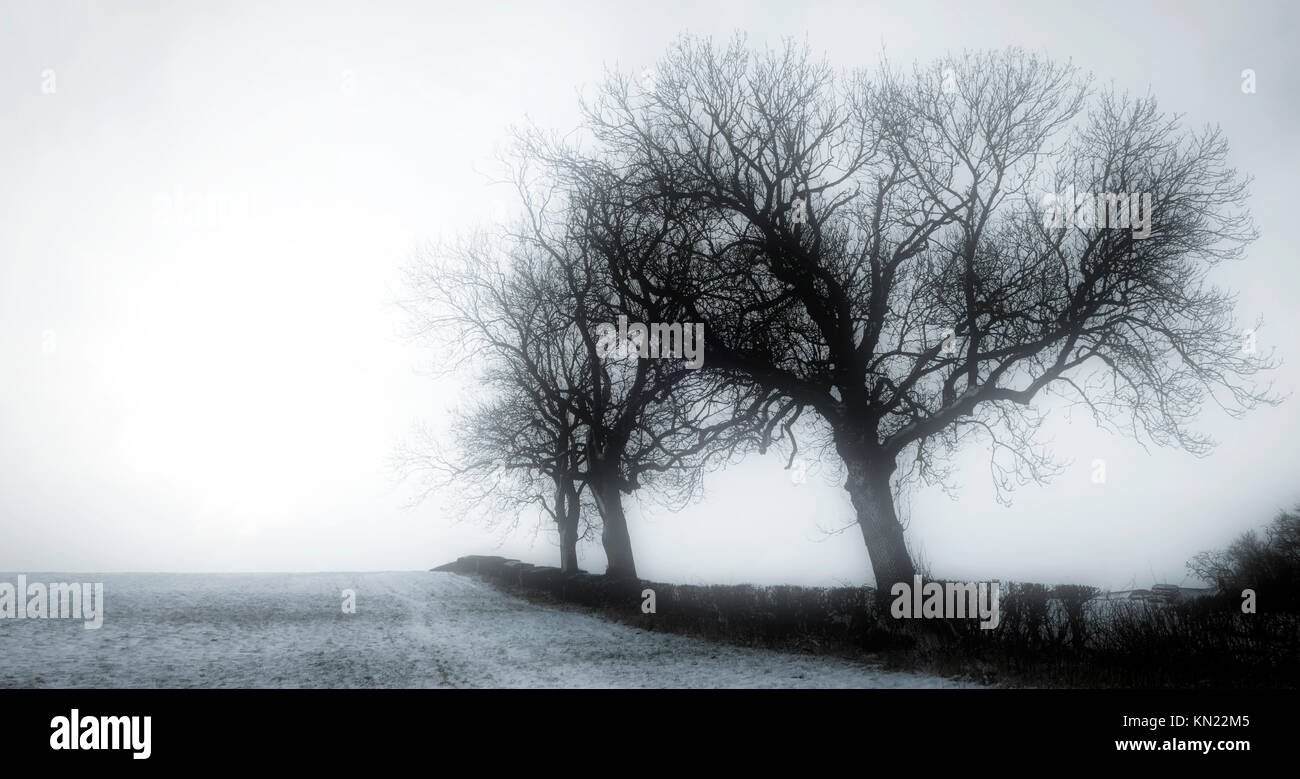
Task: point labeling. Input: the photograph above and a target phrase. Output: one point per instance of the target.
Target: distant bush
(1270, 565)
(1062, 636)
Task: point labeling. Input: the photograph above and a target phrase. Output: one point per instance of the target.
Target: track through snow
(410, 629)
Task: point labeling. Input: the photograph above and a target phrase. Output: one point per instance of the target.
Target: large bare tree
(920, 257)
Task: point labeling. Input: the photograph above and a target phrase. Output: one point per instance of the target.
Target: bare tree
(517, 446)
(874, 248)
(523, 312)
(649, 419)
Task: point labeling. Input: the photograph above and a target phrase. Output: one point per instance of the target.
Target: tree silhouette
(873, 247)
(524, 311)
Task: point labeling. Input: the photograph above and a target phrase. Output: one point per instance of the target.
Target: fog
(205, 211)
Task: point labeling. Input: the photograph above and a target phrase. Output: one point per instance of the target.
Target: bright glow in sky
(203, 226)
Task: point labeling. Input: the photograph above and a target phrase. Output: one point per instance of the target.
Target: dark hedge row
(1047, 635)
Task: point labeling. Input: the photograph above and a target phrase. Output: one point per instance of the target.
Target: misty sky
(202, 228)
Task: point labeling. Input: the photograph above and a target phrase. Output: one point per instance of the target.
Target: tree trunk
(873, 500)
(568, 521)
(614, 535)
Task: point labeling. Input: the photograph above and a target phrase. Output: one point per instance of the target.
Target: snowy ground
(411, 629)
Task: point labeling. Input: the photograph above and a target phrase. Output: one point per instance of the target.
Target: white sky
(201, 228)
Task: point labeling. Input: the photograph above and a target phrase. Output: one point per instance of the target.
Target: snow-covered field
(410, 629)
